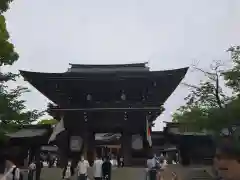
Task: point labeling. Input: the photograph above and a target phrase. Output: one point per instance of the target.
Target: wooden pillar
(85, 143)
(126, 148)
(38, 164)
(63, 157)
(62, 142)
(31, 154)
(91, 147)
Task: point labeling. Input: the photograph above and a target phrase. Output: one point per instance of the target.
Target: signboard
(137, 142)
(76, 143)
(49, 148)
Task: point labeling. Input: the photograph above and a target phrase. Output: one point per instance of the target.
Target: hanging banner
(76, 143)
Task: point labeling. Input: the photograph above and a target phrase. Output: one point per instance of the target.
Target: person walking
(68, 171)
(82, 169)
(106, 169)
(31, 171)
(12, 172)
(39, 166)
(114, 162)
(121, 161)
(97, 168)
(151, 168)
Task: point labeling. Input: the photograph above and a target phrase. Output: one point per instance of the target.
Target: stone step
(200, 175)
(191, 173)
(126, 173)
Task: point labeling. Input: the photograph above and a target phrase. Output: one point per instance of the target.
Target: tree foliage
(207, 107)
(4, 5)
(13, 111)
(48, 121)
(7, 52)
(232, 76)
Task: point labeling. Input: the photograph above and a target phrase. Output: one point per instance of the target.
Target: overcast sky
(50, 34)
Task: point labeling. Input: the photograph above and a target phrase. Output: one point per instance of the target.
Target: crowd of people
(101, 169)
(226, 165)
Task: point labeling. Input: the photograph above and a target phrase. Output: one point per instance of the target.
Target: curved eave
(172, 79)
(175, 72)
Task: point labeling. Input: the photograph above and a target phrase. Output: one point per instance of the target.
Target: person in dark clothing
(227, 157)
(39, 166)
(118, 160)
(68, 171)
(2, 162)
(31, 170)
(121, 159)
(227, 160)
(106, 169)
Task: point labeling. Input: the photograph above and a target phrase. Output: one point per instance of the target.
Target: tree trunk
(217, 92)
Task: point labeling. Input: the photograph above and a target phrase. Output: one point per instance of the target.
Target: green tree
(204, 102)
(48, 121)
(13, 111)
(232, 76)
(4, 5)
(7, 52)
(207, 107)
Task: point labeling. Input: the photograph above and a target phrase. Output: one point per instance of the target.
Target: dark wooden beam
(108, 109)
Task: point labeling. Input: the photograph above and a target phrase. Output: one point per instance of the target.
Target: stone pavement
(130, 173)
(193, 172)
(117, 174)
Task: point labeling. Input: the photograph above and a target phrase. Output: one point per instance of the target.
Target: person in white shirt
(45, 164)
(150, 164)
(82, 169)
(55, 163)
(97, 169)
(114, 163)
(151, 168)
(11, 171)
(164, 164)
(32, 166)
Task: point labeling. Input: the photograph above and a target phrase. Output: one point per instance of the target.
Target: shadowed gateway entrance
(105, 98)
(107, 143)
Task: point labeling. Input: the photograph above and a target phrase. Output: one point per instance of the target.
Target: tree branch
(217, 91)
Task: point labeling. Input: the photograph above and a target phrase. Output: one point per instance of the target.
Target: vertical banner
(148, 131)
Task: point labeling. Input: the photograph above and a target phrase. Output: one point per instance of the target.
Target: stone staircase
(200, 174)
(134, 173)
(191, 173)
(126, 173)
